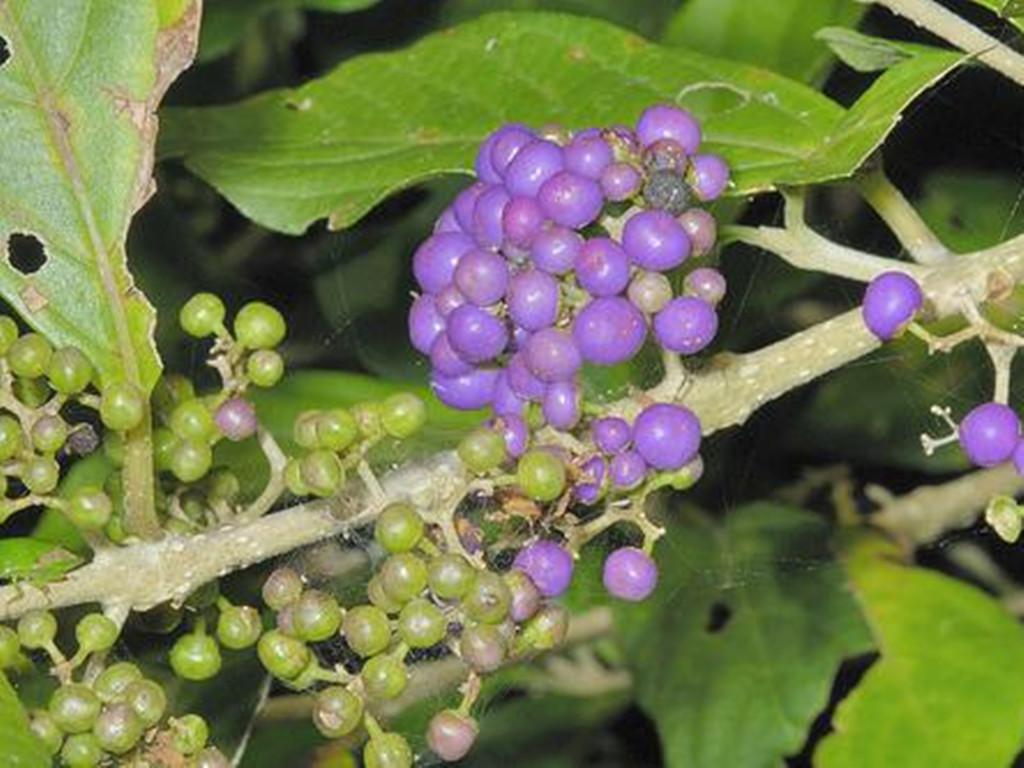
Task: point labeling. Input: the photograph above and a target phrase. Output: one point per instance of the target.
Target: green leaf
(949, 687)
(1011, 10)
(865, 53)
(646, 17)
(971, 210)
(778, 35)
(34, 560)
(77, 126)
(21, 749)
(288, 158)
(745, 692)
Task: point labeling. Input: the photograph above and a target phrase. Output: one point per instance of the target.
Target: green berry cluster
(541, 474)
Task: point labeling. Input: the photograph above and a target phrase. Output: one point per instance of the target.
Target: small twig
(903, 219)
(276, 461)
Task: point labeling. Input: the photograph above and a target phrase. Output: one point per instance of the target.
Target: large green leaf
(338, 145)
(948, 689)
(777, 35)
(21, 749)
(77, 125)
(746, 692)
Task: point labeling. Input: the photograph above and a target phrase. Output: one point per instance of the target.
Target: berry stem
(277, 461)
(1001, 356)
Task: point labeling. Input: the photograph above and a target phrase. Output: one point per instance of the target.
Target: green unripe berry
(293, 478)
(202, 315)
(282, 587)
(118, 729)
(224, 485)
(10, 647)
(30, 356)
(398, 528)
(421, 624)
(259, 326)
(82, 750)
(546, 630)
(41, 474)
(304, 431)
(265, 367)
(121, 407)
(69, 371)
(46, 730)
(191, 420)
(541, 475)
(321, 472)
(95, 632)
(384, 677)
(450, 576)
(335, 430)
(367, 416)
(239, 627)
(403, 577)
(49, 434)
(367, 630)
(113, 448)
(375, 592)
(164, 444)
(191, 460)
(190, 734)
(31, 392)
(315, 616)
(172, 389)
(148, 700)
(114, 681)
(389, 750)
(36, 629)
(482, 647)
(89, 508)
(403, 415)
(74, 707)
(482, 450)
(283, 656)
(10, 437)
(337, 712)
(488, 598)
(8, 333)
(195, 657)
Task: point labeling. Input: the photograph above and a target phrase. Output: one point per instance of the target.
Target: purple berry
(475, 334)
(588, 155)
(522, 381)
(554, 249)
(702, 229)
(447, 222)
(516, 434)
(449, 299)
(706, 283)
(989, 434)
(450, 735)
(890, 303)
(570, 199)
(655, 240)
(686, 325)
(620, 181)
(467, 393)
(667, 436)
(236, 419)
(482, 164)
(446, 360)
(425, 323)
(547, 564)
(552, 355)
(609, 331)
(521, 221)
(630, 574)
(434, 262)
(464, 204)
(534, 164)
(533, 299)
(602, 267)
(667, 122)
(505, 401)
(561, 405)
(487, 216)
(591, 482)
(627, 469)
(482, 277)
(611, 434)
(650, 292)
(709, 176)
(506, 145)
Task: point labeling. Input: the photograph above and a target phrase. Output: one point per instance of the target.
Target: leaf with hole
(288, 158)
(735, 653)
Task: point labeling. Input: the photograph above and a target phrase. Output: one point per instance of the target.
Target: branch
(903, 219)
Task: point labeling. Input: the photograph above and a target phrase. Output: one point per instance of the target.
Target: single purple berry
(611, 434)
(627, 469)
(547, 564)
(447, 222)
(620, 181)
(609, 331)
(890, 303)
(521, 379)
(552, 355)
(706, 283)
(449, 299)
(482, 277)
(630, 574)
(434, 262)
(464, 204)
(487, 216)
(570, 199)
(554, 249)
(650, 292)
(425, 323)
(446, 360)
(989, 434)
(561, 404)
(702, 229)
(588, 155)
(602, 267)
(686, 325)
(663, 121)
(532, 299)
(482, 164)
(475, 334)
(534, 164)
(505, 401)
(509, 139)
(236, 419)
(516, 434)
(655, 240)
(521, 221)
(709, 176)
(451, 735)
(468, 392)
(667, 436)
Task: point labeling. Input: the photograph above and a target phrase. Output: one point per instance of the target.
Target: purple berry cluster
(557, 256)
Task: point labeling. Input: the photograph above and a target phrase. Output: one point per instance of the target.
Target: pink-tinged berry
(630, 574)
